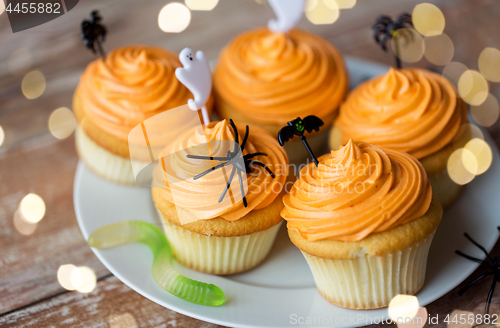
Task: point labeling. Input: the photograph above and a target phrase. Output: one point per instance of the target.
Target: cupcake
(410, 110)
(114, 95)
(205, 234)
(364, 219)
(265, 78)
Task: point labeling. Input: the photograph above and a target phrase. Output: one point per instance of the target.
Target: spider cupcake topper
(234, 158)
(385, 29)
(298, 127)
(493, 264)
(93, 33)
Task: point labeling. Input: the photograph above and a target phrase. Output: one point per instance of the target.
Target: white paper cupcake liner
(102, 162)
(370, 282)
(219, 255)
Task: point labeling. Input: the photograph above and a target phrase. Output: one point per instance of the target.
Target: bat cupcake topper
(197, 77)
(492, 263)
(385, 29)
(94, 33)
(298, 127)
(234, 158)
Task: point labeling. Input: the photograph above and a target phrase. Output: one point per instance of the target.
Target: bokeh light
(428, 19)
(22, 226)
(453, 71)
(403, 306)
(489, 64)
(201, 4)
(483, 156)
(322, 12)
(345, 4)
(85, 280)
(418, 321)
(62, 123)
(2, 135)
(32, 208)
(33, 84)
(487, 113)
(408, 45)
(174, 17)
(473, 87)
(64, 275)
(456, 169)
(122, 320)
(465, 133)
(20, 61)
(439, 49)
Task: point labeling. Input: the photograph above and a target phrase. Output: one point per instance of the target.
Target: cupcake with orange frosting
(114, 95)
(411, 110)
(266, 78)
(364, 219)
(214, 234)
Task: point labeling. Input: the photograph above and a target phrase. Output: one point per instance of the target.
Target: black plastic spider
(493, 264)
(94, 33)
(385, 28)
(234, 158)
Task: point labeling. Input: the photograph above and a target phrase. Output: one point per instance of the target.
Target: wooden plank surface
(31, 160)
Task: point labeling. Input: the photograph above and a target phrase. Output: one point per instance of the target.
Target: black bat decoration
(298, 127)
(94, 33)
(232, 158)
(491, 263)
(385, 29)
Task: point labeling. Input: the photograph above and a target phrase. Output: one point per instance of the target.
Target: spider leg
(262, 165)
(209, 158)
(228, 184)
(378, 34)
(480, 247)
(463, 290)
(209, 170)
(248, 156)
(473, 259)
(236, 138)
(245, 138)
(242, 189)
(490, 295)
(383, 42)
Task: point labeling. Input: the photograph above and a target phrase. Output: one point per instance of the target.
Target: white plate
(282, 288)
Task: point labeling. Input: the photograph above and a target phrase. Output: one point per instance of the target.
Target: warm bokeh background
(32, 160)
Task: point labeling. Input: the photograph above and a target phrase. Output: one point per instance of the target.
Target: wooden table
(32, 160)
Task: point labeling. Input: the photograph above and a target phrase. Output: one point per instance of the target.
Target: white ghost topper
(288, 13)
(196, 76)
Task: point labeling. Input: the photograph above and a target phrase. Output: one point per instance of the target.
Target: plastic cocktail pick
(141, 232)
(196, 76)
(288, 13)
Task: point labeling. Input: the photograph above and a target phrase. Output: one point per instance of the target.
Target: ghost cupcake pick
(288, 13)
(197, 78)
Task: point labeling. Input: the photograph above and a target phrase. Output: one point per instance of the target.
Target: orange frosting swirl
(131, 85)
(277, 77)
(355, 191)
(199, 196)
(410, 110)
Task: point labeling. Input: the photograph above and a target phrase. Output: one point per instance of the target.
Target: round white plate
(281, 292)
